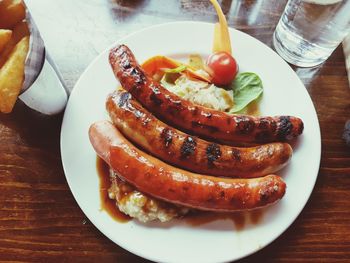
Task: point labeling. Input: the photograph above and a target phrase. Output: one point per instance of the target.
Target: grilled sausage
(189, 152)
(197, 119)
(158, 179)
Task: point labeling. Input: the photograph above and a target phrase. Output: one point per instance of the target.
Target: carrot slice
(156, 65)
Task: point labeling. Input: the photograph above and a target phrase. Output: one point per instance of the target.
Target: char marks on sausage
(158, 179)
(185, 115)
(190, 152)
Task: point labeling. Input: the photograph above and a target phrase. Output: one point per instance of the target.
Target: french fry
(11, 13)
(12, 76)
(5, 36)
(20, 31)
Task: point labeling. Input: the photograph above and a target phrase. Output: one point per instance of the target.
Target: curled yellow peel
(222, 40)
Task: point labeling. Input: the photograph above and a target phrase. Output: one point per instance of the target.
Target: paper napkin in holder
(43, 89)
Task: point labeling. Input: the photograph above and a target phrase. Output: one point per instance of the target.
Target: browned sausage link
(156, 178)
(189, 152)
(194, 118)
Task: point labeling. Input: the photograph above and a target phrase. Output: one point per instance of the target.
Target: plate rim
(117, 41)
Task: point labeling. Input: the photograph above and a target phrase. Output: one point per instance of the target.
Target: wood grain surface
(39, 218)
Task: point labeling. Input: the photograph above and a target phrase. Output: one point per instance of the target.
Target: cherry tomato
(223, 68)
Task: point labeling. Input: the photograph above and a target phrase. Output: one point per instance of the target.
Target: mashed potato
(201, 93)
(140, 206)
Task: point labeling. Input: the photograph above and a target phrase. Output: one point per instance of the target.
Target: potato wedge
(12, 76)
(11, 13)
(20, 31)
(5, 36)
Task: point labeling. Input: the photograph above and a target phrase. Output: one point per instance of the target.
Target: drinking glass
(310, 30)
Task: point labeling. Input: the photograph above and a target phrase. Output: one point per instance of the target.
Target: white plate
(177, 241)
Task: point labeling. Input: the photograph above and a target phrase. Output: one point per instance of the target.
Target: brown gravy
(108, 204)
(195, 218)
(239, 219)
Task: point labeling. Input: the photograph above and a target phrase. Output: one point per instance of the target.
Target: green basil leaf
(247, 87)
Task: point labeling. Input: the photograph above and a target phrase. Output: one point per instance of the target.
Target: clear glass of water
(310, 30)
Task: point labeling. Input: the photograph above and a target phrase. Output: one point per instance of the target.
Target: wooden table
(39, 218)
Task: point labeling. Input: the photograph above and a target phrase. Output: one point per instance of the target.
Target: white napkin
(346, 46)
(43, 89)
